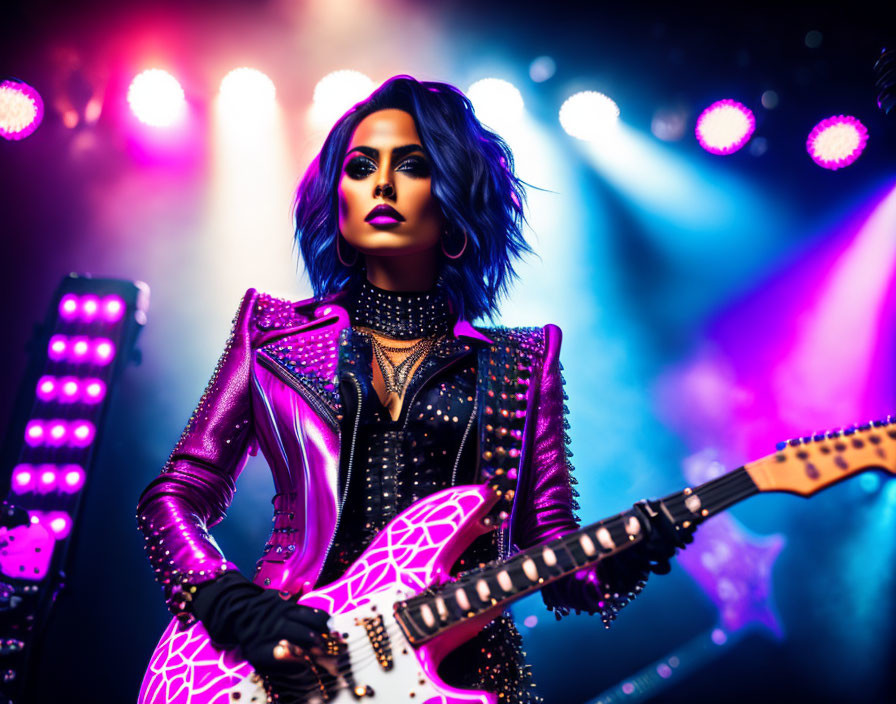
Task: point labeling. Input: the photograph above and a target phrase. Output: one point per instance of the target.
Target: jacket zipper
(463, 440)
(311, 398)
(348, 474)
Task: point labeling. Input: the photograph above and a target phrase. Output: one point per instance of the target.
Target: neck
(410, 272)
(404, 315)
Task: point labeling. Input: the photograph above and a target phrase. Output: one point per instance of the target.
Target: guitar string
(716, 491)
(713, 499)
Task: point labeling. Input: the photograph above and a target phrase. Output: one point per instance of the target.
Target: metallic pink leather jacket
(280, 386)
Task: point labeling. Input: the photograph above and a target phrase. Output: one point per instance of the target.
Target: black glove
(616, 580)
(236, 612)
(628, 570)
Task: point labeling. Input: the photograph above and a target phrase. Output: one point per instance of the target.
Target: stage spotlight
(21, 109)
(497, 102)
(335, 93)
(247, 92)
(837, 141)
(724, 127)
(156, 98)
(588, 115)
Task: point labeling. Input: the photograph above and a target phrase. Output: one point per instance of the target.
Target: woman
(379, 392)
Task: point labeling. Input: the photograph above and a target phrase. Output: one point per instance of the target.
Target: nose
(384, 189)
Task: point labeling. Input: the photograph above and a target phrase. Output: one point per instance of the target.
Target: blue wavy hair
(473, 182)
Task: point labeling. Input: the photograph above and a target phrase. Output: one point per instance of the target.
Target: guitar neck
(802, 466)
(495, 585)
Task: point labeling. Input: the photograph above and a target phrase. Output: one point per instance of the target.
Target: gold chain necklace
(396, 376)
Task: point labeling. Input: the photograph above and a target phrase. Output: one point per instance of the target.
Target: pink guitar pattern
(415, 551)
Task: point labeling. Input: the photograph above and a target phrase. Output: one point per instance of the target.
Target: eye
(418, 166)
(359, 167)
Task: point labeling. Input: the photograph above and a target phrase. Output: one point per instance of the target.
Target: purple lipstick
(384, 216)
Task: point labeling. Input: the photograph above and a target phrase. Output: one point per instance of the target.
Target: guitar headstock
(806, 465)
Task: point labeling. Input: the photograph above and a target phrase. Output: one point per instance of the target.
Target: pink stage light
(21, 110)
(56, 433)
(46, 478)
(35, 433)
(90, 306)
(725, 126)
(837, 141)
(156, 98)
(247, 90)
(78, 348)
(113, 308)
(58, 523)
(57, 348)
(72, 478)
(68, 307)
(69, 389)
(103, 350)
(23, 479)
(93, 390)
(46, 388)
(81, 433)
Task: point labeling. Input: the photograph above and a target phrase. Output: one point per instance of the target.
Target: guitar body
(415, 551)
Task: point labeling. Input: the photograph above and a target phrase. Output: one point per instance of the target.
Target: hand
(238, 613)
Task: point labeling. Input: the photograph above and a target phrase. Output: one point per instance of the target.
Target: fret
(618, 531)
(564, 559)
(544, 569)
(578, 555)
(692, 506)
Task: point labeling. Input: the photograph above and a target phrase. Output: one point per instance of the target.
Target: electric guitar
(400, 612)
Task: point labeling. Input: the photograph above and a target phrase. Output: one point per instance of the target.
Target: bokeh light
(247, 95)
(337, 92)
(72, 478)
(837, 141)
(669, 124)
(46, 388)
(68, 307)
(113, 308)
(725, 126)
(23, 476)
(589, 115)
(156, 98)
(498, 103)
(542, 69)
(21, 110)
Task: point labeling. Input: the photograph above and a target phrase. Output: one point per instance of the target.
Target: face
(385, 165)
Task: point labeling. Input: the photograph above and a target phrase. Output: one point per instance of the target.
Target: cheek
(348, 198)
(424, 203)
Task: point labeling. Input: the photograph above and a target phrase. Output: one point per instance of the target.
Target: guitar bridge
(379, 640)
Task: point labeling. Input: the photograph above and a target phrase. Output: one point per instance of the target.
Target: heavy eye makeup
(359, 167)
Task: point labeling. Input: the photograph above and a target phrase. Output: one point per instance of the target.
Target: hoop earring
(339, 254)
(462, 249)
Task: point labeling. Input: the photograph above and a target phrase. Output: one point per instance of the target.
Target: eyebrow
(397, 153)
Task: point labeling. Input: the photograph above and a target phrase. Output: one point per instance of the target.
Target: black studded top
(431, 446)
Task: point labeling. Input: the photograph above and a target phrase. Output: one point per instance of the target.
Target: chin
(390, 243)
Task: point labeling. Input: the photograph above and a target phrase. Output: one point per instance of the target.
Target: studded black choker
(401, 315)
